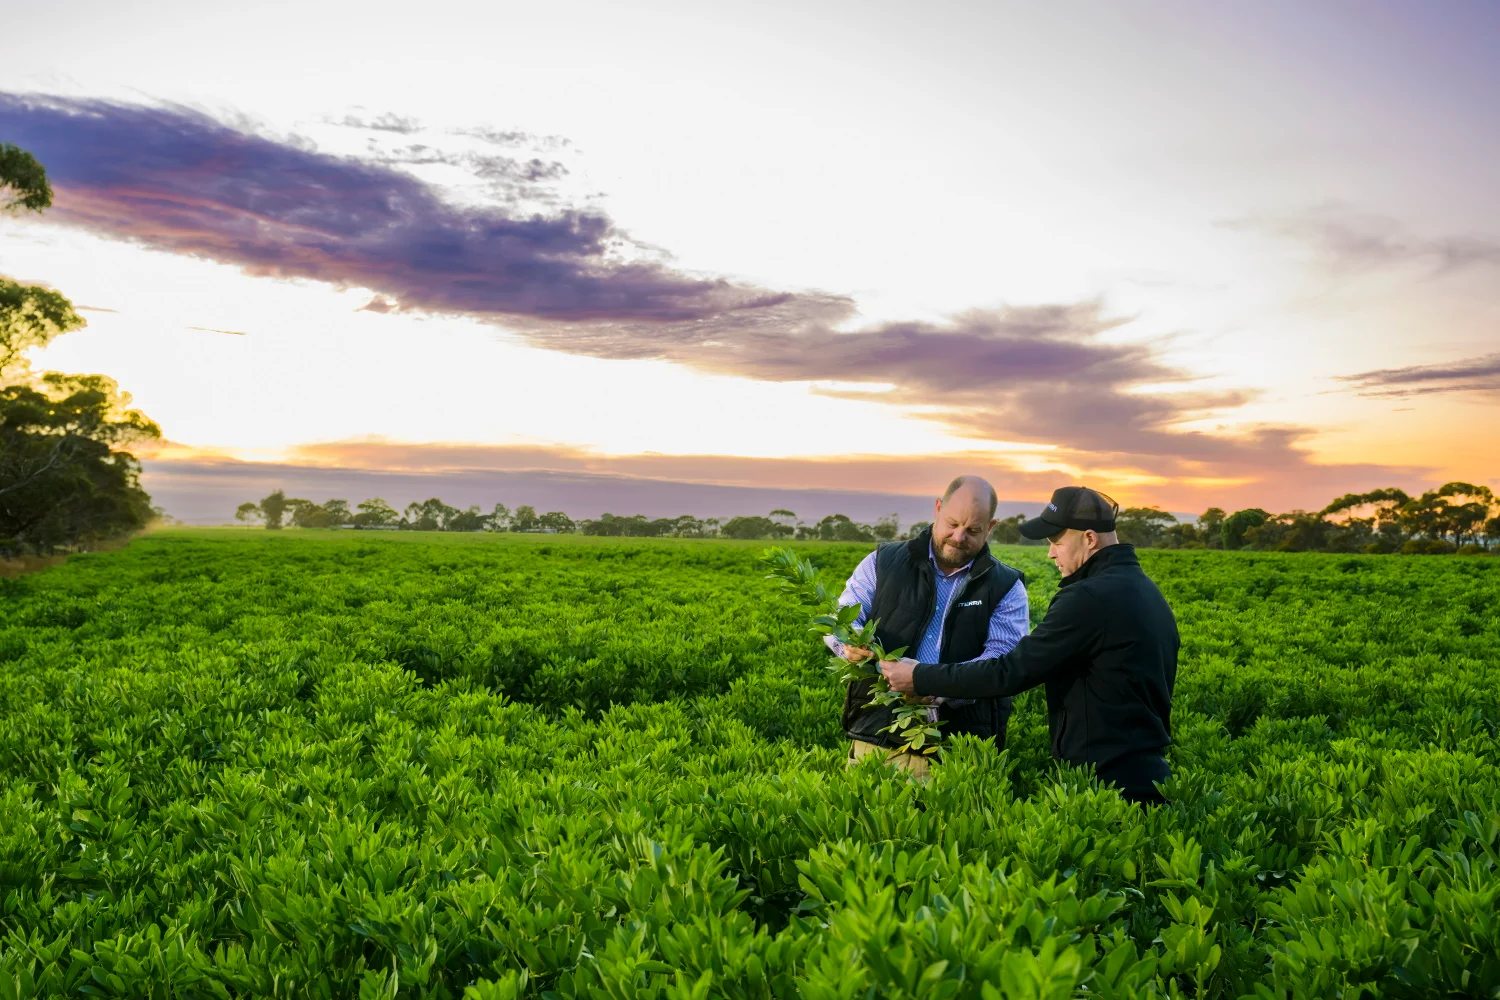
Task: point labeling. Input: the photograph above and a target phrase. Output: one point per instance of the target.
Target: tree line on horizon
(1455, 517)
(277, 510)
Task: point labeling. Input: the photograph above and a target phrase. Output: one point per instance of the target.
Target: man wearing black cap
(1106, 651)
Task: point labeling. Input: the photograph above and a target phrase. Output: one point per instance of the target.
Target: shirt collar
(933, 556)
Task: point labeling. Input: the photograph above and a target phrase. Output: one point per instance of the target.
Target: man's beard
(953, 554)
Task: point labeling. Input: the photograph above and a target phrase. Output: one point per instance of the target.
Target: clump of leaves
(913, 721)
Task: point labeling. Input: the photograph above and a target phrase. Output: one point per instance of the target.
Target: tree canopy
(23, 181)
(65, 479)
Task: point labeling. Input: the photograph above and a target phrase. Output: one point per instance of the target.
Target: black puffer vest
(905, 599)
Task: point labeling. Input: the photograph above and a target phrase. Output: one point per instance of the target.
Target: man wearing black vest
(942, 596)
(1107, 652)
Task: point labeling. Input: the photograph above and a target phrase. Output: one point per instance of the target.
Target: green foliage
(23, 182)
(1143, 526)
(338, 764)
(640, 526)
(919, 734)
(836, 528)
(749, 528)
(1007, 530)
(65, 480)
(30, 317)
(1237, 524)
(1439, 522)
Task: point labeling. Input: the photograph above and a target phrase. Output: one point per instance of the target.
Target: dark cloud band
(175, 180)
(1480, 375)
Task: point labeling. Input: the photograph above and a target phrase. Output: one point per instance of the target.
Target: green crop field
(305, 764)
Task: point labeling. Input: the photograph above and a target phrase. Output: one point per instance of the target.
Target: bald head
(972, 489)
(961, 521)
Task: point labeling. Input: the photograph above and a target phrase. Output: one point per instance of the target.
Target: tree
(885, 529)
(467, 520)
(248, 511)
(1296, 531)
(556, 520)
(499, 519)
(687, 526)
(839, 528)
(338, 512)
(1143, 526)
(1182, 536)
(916, 529)
(23, 181)
(331, 514)
(1241, 521)
(306, 514)
(1492, 530)
(1465, 520)
(1384, 503)
(30, 317)
(429, 515)
(64, 481)
(1007, 530)
(524, 519)
(607, 525)
(1211, 527)
(375, 513)
(748, 527)
(65, 412)
(273, 507)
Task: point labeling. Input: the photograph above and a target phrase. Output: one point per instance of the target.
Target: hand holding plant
(913, 721)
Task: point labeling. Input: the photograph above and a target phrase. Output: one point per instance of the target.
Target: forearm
(974, 679)
(860, 589)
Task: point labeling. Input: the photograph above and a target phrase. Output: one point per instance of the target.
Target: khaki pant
(918, 765)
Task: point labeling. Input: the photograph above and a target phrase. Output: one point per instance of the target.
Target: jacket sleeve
(1065, 634)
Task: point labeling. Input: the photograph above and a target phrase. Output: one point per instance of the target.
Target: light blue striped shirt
(1009, 622)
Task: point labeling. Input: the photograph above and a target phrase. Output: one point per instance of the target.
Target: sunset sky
(1193, 254)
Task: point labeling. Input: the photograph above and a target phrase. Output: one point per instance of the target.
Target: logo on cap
(1052, 506)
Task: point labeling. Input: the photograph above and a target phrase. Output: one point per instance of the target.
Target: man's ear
(937, 508)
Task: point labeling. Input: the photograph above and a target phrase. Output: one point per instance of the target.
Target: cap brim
(1036, 529)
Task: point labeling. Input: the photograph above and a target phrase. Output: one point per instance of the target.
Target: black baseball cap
(1073, 507)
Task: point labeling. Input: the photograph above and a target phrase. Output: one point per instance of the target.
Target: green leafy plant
(454, 766)
(913, 721)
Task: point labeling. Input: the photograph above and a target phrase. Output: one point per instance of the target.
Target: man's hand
(857, 654)
(898, 673)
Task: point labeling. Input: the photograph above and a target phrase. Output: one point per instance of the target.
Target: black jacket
(905, 599)
(1107, 652)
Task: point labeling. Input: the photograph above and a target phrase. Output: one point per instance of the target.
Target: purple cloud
(175, 180)
(1481, 375)
(1348, 240)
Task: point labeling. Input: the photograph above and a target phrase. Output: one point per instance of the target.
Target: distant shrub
(1428, 547)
